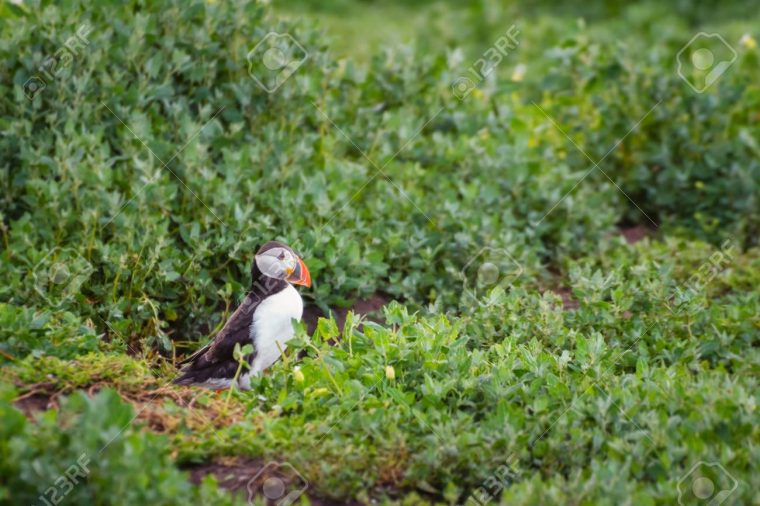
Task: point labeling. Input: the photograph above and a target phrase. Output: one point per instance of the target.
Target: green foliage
(565, 399)
(86, 370)
(89, 453)
(255, 165)
(24, 331)
(137, 185)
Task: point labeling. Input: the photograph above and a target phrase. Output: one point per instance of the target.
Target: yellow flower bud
(298, 376)
(319, 392)
(748, 41)
(390, 372)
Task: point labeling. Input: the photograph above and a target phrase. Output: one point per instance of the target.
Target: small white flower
(455, 58)
(748, 41)
(519, 72)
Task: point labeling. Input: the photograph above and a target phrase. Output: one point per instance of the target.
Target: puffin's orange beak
(300, 275)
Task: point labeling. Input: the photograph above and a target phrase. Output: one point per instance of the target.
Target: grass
(139, 181)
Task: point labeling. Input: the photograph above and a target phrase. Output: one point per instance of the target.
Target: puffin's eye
(282, 256)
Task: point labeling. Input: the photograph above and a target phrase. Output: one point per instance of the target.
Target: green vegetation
(111, 465)
(137, 184)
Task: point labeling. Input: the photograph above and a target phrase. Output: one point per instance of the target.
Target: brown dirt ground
(234, 474)
(33, 403)
(635, 234)
(150, 405)
(568, 302)
(370, 306)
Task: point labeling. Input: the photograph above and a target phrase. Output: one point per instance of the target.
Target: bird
(264, 319)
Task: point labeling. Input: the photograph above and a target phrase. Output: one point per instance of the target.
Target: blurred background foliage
(136, 186)
(169, 247)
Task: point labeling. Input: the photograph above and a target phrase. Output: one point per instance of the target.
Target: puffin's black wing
(215, 360)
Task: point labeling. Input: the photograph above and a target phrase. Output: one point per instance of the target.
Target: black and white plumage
(264, 319)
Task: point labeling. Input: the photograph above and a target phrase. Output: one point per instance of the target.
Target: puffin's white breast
(272, 324)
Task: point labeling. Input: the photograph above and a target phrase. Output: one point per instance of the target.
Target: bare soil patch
(247, 477)
(154, 407)
(635, 234)
(370, 306)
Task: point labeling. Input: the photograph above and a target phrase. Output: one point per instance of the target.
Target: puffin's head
(276, 260)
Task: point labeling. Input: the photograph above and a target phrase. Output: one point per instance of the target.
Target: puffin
(264, 319)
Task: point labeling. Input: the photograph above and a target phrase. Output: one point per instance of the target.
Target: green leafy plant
(138, 182)
(113, 463)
